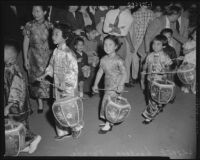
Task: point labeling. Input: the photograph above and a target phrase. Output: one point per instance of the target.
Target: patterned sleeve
(147, 63)
(27, 29)
(71, 75)
(167, 61)
(147, 59)
(121, 66)
(49, 69)
(17, 91)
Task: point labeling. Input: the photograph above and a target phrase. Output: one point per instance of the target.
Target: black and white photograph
(100, 79)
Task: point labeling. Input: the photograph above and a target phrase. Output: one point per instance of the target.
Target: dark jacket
(76, 22)
(171, 52)
(83, 62)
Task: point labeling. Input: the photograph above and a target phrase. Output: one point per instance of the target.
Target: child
(15, 97)
(83, 65)
(170, 51)
(156, 61)
(99, 28)
(158, 11)
(90, 49)
(189, 49)
(63, 68)
(37, 53)
(115, 75)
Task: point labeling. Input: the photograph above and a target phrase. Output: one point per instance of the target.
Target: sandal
(62, 137)
(147, 121)
(101, 131)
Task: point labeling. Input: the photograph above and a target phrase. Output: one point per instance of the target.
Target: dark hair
(9, 42)
(66, 30)
(146, 3)
(172, 10)
(162, 39)
(67, 7)
(78, 39)
(89, 28)
(44, 8)
(166, 30)
(115, 40)
(155, 8)
(179, 4)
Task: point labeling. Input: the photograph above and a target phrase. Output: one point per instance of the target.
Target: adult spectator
(118, 22)
(157, 10)
(142, 17)
(168, 20)
(88, 17)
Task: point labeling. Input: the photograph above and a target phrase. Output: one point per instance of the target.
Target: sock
(81, 94)
(34, 144)
(26, 149)
(106, 127)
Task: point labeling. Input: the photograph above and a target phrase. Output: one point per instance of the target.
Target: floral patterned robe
(63, 68)
(15, 88)
(38, 55)
(114, 70)
(156, 62)
(15, 92)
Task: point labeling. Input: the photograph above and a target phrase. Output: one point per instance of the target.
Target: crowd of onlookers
(166, 30)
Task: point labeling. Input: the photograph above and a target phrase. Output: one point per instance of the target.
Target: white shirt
(125, 20)
(50, 10)
(86, 18)
(167, 23)
(179, 21)
(191, 56)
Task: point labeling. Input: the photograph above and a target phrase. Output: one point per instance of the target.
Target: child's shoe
(194, 92)
(81, 94)
(186, 90)
(34, 144)
(147, 121)
(182, 89)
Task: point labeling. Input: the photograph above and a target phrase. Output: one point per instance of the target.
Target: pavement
(171, 134)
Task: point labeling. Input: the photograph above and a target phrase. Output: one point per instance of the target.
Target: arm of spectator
(127, 20)
(182, 38)
(151, 31)
(179, 37)
(186, 28)
(106, 26)
(128, 37)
